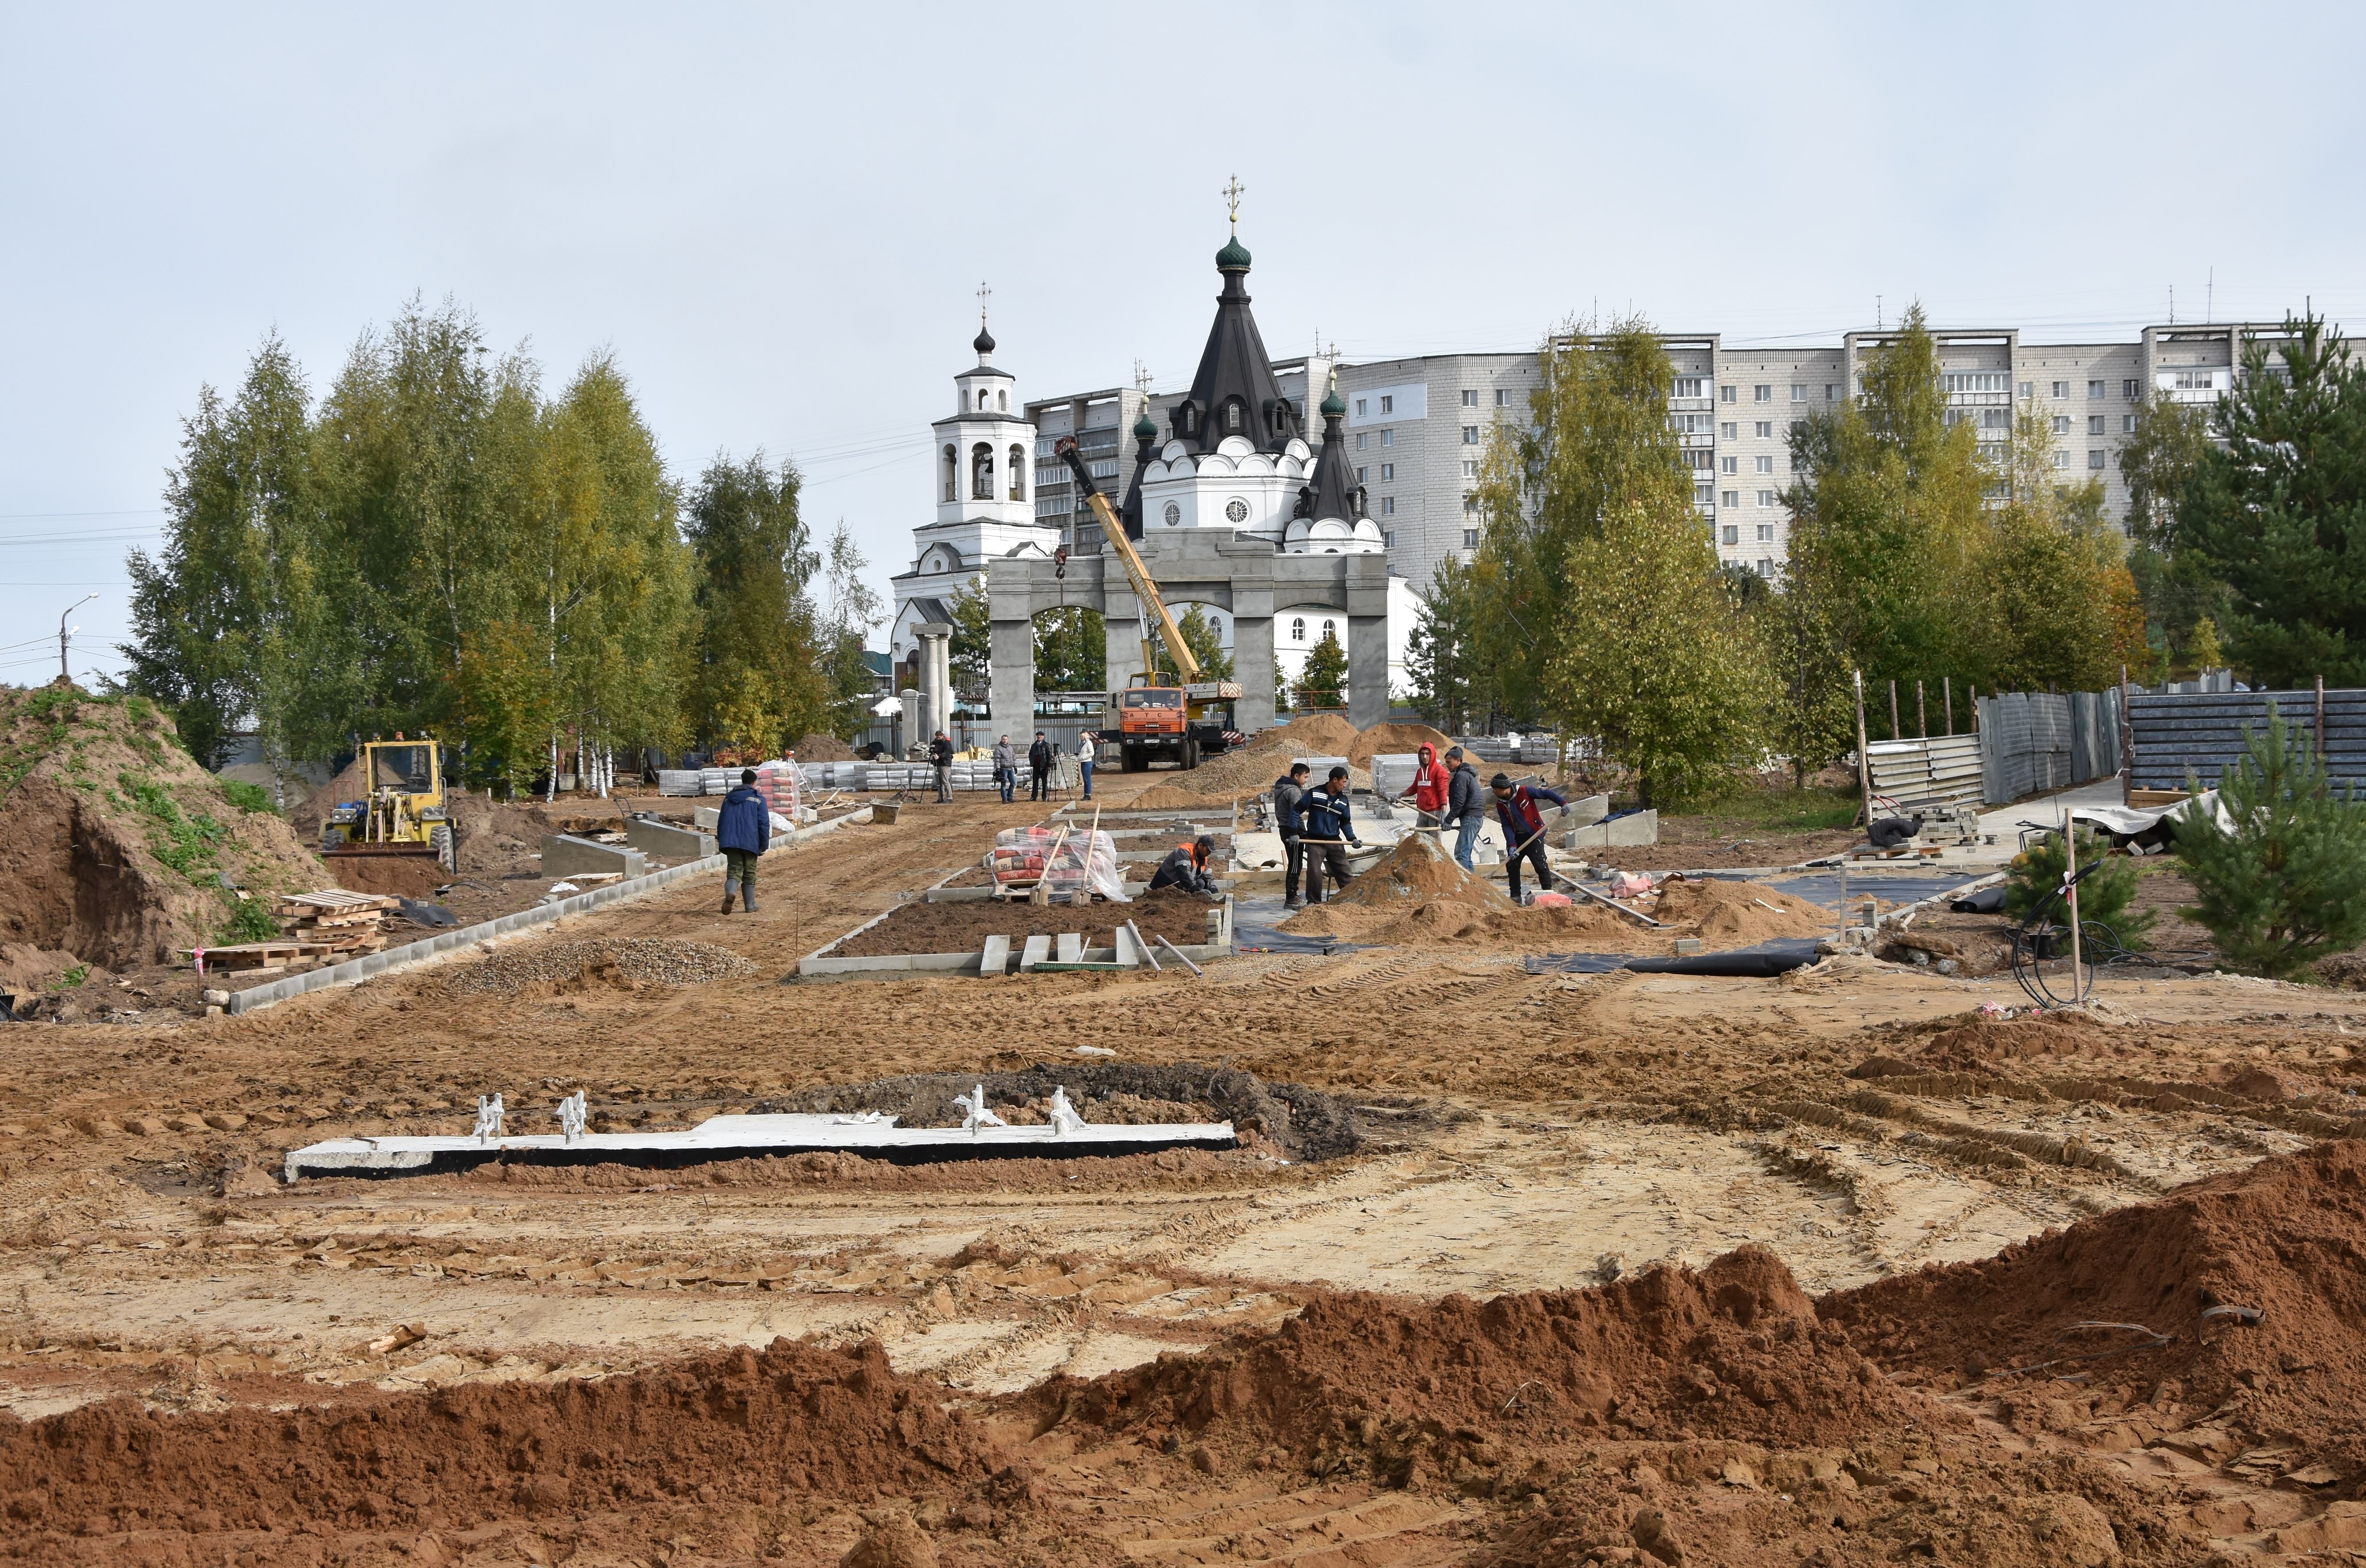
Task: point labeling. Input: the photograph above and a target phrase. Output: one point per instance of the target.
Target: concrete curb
(355, 971)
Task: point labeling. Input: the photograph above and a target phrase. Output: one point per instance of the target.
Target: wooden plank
(995, 959)
(1037, 952)
(2154, 800)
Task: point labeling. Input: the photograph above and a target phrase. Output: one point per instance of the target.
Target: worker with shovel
(743, 830)
(1524, 828)
(1328, 831)
(1462, 807)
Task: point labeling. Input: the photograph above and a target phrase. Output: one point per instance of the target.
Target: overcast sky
(777, 216)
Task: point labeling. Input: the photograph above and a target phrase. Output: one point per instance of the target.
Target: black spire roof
(1235, 392)
(1146, 448)
(1333, 491)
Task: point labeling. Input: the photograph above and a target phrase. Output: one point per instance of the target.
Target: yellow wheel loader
(404, 813)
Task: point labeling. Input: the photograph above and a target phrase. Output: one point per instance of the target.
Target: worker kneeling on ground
(1524, 828)
(1187, 868)
(743, 830)
(1327, 832)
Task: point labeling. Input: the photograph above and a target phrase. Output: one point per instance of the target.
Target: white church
(1236, 457)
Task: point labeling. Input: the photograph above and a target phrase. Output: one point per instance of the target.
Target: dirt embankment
(114, 846)
(2281, 1241)
(918, 927)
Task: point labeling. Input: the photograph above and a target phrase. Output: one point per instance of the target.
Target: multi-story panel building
(1419, 426)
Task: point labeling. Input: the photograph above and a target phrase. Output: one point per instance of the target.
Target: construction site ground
(1550, 1310)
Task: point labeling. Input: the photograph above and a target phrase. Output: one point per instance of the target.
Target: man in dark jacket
(941, 757)
(1186, 866)
(1288, 791)
(1524, 828)
(1006, 767)
(1462, 806)
(1039, 757)
(1328, 834)
(743, 830)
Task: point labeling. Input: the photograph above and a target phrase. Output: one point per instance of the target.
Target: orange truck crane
(1184, 722)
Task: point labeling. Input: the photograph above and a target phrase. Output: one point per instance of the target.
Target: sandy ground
(1523, 1133)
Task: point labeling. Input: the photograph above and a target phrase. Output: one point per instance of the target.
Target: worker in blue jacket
(743, 830)
(1524, 828)
(1327, 832)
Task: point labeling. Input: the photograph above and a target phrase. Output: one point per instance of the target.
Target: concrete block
(1589, 811)
(995, 958)
(1639, 830)
(564, 855)
(1072, 946)
(1128, 953)
(707, 818)
(1321, 765)
(1037, 951)
(663, 841)
(1393, 771)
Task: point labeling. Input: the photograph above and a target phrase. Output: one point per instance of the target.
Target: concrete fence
(2033, 741)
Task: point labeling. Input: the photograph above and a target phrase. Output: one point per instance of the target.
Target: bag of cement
(777, 781)
(1392, 772)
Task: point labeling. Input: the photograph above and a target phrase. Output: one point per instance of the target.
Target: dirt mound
(1446, 923)
(1418, 871)
(1364, 1380)
(920, 927)
(312, 813)
(1738, 912)
(743, 1425)
(1985, 1045)
(624, 963)
(114, 842)
(818, 747)
(1394, 739)
(2283, 1237)
(1312, 734)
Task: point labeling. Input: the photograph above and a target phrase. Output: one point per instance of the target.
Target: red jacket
(1429, 780)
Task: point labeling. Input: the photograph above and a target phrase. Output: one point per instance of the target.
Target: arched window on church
(1017, 473)
(1232, 417)
(1298, 629)
(1331, 628)
(1002, 402)
(1190, 419)
(952, 475)
(981, 472)
(981, 400)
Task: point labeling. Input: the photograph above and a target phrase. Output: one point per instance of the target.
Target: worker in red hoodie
(1430, 782)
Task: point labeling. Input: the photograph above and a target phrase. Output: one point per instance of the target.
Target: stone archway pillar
(1011, 690)
(935, 671)
(1253, 657)
(1367, 670)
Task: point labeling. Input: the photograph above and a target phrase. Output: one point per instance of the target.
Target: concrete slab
(1128, 953)
(706, 818)
(996, 959)
(1072, 946)
(564, 855)
(1037, 951)
(662, 841)
(1638, 830)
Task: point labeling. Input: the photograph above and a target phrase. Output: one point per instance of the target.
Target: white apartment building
(1417, 426)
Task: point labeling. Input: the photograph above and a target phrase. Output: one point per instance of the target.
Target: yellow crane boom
(1145, 591)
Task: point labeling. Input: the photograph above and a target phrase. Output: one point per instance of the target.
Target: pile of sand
(1737, 912)
(818, 747)
(1383, 738)
(114, 844)
(1734, 1352)
(1418, 871)
(2283, 1237)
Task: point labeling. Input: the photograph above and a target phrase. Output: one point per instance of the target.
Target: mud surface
(1511, 1269)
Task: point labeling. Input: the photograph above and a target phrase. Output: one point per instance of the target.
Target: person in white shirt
(1085, 760)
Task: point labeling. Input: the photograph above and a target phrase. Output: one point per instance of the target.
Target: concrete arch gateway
(1242, 576)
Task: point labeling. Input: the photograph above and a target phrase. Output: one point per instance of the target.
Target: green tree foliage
(852, 610)
(1071, 650)
(1207, 646)
(2159, 461)
(1441, 652)
(1597, 439)
(969, 652)
(1654, 657)
(2103, 896)
(2279, 513)
(758, 685)
(2287, 885)
(1810, 715)
(2050, 587)
(1888, 512)
(437, 546)
(1323, 682)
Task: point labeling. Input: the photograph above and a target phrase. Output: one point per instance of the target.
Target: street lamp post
(63, 633)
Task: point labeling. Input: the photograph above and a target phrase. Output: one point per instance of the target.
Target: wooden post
(2127, 742)
(1947, 693)
(1864, 763)
(1894, 732)
(1922, 713)
(2070, 871)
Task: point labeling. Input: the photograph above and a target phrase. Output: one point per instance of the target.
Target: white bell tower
(985, 453)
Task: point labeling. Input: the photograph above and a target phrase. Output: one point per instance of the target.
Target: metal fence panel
(1942, 770)
(2206, 731)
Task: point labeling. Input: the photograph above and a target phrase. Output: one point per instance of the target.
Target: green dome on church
(1146, 428)
(1334, 406)
(1234, 257)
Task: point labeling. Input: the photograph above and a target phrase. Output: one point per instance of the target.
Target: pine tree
(2279, 513)
(761, 683)
(1441, 650)
(1322, 683)
(2287, 884)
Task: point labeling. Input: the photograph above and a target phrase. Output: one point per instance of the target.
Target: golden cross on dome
(982, 293)
(1233, 189)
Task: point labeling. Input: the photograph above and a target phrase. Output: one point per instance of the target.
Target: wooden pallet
(2155, 799)
(330, 903)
